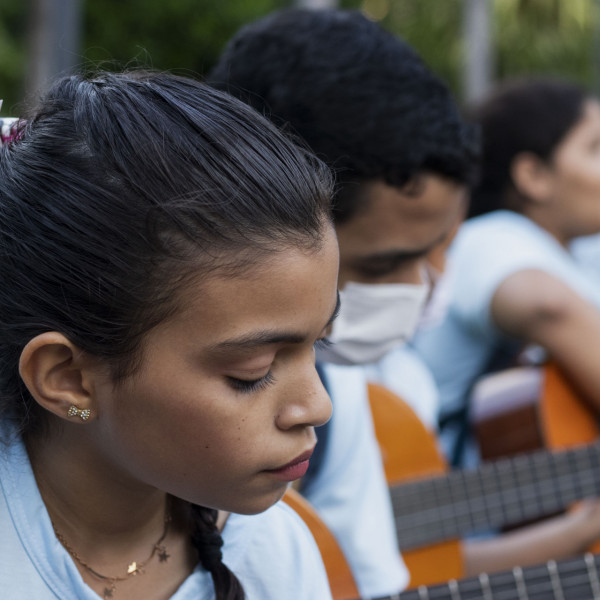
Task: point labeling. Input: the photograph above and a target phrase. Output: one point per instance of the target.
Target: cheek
(581, 178)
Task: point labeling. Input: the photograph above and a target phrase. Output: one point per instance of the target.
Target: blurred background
(469, 43)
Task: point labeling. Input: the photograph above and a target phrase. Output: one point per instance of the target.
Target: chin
(258, 504)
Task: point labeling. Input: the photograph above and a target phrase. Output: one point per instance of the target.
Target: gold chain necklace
(133, 569)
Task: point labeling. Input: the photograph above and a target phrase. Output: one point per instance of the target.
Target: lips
(294, 469)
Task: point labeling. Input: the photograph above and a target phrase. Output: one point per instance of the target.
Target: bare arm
(539, 308)
(557, 538)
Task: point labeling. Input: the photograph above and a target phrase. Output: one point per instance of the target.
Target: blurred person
(167, 265)
(514, 283)
(367, 104)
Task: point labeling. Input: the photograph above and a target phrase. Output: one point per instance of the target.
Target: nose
(306, 402)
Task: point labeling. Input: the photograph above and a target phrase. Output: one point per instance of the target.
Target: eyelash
(323, 343)
(248, 386)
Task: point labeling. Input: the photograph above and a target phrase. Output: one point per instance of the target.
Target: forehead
(393, 219)
(292, 290)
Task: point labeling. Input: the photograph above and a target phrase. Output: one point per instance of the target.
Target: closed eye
(322, 343)
(247, 386)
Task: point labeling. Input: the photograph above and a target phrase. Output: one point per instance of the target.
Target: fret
(592, 456)
(557, 467)
(555, 579)
(520, 582)
(457, 494)
(510, 509)
(454, 592)
(588, 463)
(476, 504)
(486, 590)
(527, 491)
(542, 474)
(491, 489)
(572, 464)
(592, 571)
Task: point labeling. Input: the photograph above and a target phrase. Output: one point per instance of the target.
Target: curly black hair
(360, 97)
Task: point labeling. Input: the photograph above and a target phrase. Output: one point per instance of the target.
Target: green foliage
(433, 28)
(182, 35)
(186, 35)
(552, 37)
(12, 53)
(529, 36)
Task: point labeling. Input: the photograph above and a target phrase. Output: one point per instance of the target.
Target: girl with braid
(167, 265)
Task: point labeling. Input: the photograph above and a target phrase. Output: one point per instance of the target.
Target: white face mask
(373, 319)
(439, 300)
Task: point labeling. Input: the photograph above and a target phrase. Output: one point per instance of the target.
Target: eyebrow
(264, 338)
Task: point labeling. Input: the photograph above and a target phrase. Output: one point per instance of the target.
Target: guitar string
(587, 484)
(404, 491)
(473, 512)
(572, 574)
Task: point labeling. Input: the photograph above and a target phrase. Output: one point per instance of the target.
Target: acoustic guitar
(525, 408)
(572, 579)
(338, 571)
(434, 508)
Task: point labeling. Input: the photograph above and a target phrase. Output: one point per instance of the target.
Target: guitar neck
(498, 493)
(574, 579)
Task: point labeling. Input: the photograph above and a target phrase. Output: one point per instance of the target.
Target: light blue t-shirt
(273, 554)
(486, 251)
(350, 492)
(586, 251)
(404, 372)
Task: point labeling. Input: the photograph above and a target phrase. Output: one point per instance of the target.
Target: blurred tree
(13, 27)
(545, 36)
(182, 34)
(529, 36)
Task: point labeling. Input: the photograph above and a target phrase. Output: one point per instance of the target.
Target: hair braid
(208, 541)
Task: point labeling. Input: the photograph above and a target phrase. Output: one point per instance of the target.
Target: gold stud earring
(83, 414)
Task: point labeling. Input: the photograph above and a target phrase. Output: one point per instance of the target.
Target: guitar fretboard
(498, 493)
(574, 579)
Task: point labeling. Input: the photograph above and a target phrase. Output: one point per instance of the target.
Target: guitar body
(550, 414)
(526, 408)
(409, 451)
(565, 419)
(340, 577)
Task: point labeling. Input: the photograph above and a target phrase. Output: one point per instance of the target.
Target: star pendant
(163, 556)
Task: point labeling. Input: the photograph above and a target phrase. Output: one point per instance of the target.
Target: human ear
(532, 177)
(58, 376)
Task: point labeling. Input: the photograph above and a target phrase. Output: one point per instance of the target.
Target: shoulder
(275, 556)
(491, 249)
(503, 238)
(530, 298)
